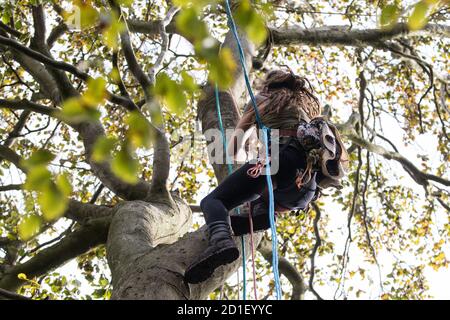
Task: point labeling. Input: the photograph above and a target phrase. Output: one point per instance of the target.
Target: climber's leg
(240, 223)
(232, 192)
(291, 159)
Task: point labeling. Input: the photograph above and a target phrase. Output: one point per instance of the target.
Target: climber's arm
(244, 130)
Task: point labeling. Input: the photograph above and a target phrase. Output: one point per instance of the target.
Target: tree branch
(82, 212)
(56, 33)
(165, 41)
(286, 269)
(151, 28)
(341, 35)
(10, 30)
(228, 99)
(61, 65)
(89, 133)
(8, 295)
(11, 187)
(314, 250)
(418, 176)
(326, 35)
(26, 105)
(161, 158)
(130, 56)
(78, 242)
(9, 155)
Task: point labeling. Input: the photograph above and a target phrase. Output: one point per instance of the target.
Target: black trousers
(239, 187)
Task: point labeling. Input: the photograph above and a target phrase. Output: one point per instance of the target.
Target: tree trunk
(146, 256)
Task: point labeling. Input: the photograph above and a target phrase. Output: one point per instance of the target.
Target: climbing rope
(266, 133)
(252, 248)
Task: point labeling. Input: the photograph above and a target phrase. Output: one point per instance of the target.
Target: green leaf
(189, 83)
(103, 282)
(29, 227)
(389, 16)
(125, 166)
(83, 16)
(418, 18)
(114, 76)
(53, 202)
(96, 91)
(22, 276)
(139, 130)
(126, 3)
(38, 178)
(221, 69)
(40, 157)
(75, 110)
(102, 148)
(6, 16)
(63, 184)
(251, 22)
(170, 93)
(112, 31)
(190, 25)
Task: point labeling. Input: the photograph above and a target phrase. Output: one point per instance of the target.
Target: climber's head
(281, 79)
(297, 92)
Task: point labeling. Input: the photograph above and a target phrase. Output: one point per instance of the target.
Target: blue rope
(230, 171)
(265, 131)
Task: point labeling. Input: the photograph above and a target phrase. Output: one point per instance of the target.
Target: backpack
(327, 163)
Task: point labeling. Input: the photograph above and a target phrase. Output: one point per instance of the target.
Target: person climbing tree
(311, 157)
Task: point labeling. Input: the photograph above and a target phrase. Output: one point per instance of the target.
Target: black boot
(221, 250)
(260, 216)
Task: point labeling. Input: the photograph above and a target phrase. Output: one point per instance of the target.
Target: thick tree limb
(137, 228)
(326, 35)
(161, 157)
(38, 71)
(43, 58)
(89, 133)
(38, 43)
(82, 212)
(228, 99)
(38, 39)
(342, 35)
(78, 242)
